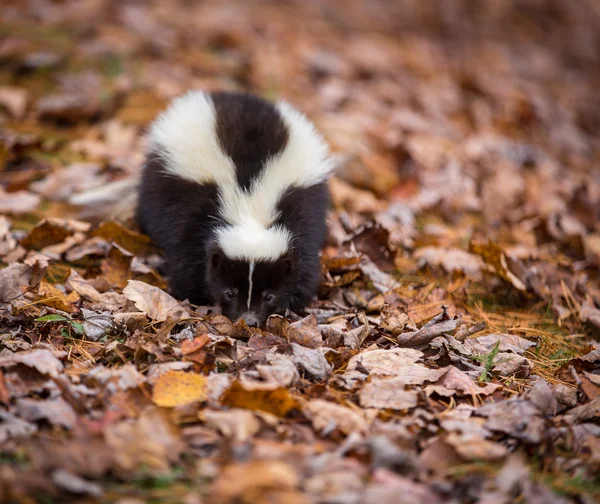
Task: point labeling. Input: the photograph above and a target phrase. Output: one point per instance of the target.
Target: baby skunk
(234, 190)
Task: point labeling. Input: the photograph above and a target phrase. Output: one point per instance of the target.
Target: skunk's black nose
(250, 318)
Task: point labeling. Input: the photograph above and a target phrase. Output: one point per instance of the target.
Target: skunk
(234, 190)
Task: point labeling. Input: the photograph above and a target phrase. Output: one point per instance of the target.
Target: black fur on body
(181, 217)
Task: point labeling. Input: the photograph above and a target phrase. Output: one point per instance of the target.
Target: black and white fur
(234, 190)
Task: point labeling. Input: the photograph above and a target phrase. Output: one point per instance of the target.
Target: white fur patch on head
(185, 136)
(251, 241)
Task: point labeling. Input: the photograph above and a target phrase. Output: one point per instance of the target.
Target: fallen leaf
(175, 388)
(18, 202)
(96, 325)
(257, 482)
(75, 484)
(62, 183)
(269, 398)
(154, 302)
(312, 361)
(474, 448)
(51, 232)
(14, 279)
(458, 382)
(131, 241)
(239, 425)
(56, 411)
(12, 427)
(14, 99)
(45, 361)
(326, 415)
(384, 362)
(450, 260)
(151, 442)
(387, 393)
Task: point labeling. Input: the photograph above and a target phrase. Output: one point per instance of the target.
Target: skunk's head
(251, 271)
(251, 290)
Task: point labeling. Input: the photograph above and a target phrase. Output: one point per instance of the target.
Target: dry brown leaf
(45, 361)
(176, 388)
(387, 393)
(457, 382)
(257, 482)
(18, 202)
(52, 296)
(270, 398)
(150, 441)
(56, 411)
(131, 241)
(154, 302)
(450, 260)
(14, 280)
(239, 425)
(384, 362)
(63, 182)
(14, 99)
(326, 415)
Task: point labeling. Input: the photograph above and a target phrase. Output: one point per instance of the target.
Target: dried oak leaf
(239, 425)
(131, 241)
(105, 301)
(12, 427)
(387, 393)
(18, 202)
(305, 331)
(387, 487)
(384, 362)
(45, 361)
(67, 107)
(437, 326)
(154, 302)
(96, 325)
(56, 411)
(151, 440)
(262, 397)
(14, 99)
(62, 183)
(494, 256)
(590, 314)
(473, 447)
(519, 418)
(450, 260)
(52, 231)
(175, 388)
(325, 415)
(52, 296)
(457, 382)
(13, 280)
(75, 484)
(257, 482)
(312, 361)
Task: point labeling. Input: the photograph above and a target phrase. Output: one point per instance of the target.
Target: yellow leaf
(175, 388)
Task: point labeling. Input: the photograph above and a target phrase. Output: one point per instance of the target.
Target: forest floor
(452, 355)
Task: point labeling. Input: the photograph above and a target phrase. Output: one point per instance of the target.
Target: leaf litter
(452, 354)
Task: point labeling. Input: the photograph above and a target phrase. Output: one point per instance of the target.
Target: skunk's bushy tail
(113, 201)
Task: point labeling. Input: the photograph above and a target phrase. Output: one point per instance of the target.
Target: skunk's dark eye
(268, 298)
(229, 294)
